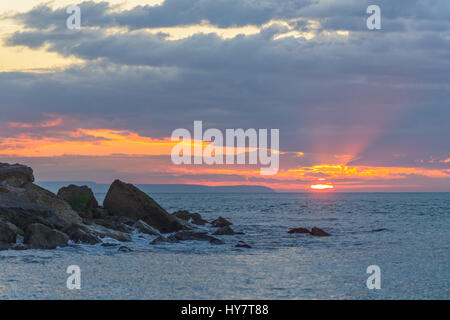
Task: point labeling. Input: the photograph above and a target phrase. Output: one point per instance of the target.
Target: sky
(360, 110)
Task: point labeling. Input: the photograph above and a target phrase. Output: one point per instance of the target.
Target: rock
(124, 249)
(221, 222)
(189, 235)
(4, 246)
(47, 199)
(242, 244)
(319, 232)
(39, 236)
(103, 232)
(19, 247)
(126, 200)
(16, 174)
(113, 224)
(379, 230)
(162, 239)
(226, 231)
(194, 218)
(81, 199)
(8, 232)
(81, 234)
(106, 244)
(299, 230)
(99, 213)
(142, 227)
(21, 212)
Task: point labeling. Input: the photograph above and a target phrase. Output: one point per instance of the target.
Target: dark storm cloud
(330, 89)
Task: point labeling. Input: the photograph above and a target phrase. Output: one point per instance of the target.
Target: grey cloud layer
(391, 87)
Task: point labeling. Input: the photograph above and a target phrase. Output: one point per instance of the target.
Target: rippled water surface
(413, 253)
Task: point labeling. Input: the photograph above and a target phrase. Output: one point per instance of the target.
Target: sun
(321, 186)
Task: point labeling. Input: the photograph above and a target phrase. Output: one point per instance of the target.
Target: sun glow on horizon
(321, 186)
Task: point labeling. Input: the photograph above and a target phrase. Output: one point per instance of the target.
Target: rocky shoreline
(32, 217)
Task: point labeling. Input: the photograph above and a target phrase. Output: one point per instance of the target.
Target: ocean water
(412, 253)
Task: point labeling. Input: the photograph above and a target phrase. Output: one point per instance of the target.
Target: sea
(404, 235)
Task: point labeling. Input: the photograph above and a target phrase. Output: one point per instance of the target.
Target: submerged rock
(299, 230)
(16, 174)
(194, 218)
(319, 232)
(126, 200)
(38, 236)
(125, 249)
(221, 222)
(199, 236)
(226, 231)
(242, 244)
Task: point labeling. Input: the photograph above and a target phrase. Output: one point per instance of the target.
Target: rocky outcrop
(314, 232)
(39, 236)
(15, 175)
(319, 232)
(221, 222)
(21, 212)
(47, 199)
(226, 231)
(81, 199)
(126, 200)
(194, 218)
(299, 230)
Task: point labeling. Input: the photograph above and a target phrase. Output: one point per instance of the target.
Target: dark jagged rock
(226, 231)
(194, 218)
(242, 244)
(221, 222)
(199, 236)
(8, 232)
(39, 236)
(299, 230)
(126, 200)
(80, 234)
(162, 239)
(113, 224)
(143, 227)
(104, 232)
(21, 212)
(319, 232)
(15, 175)
(47, 199)
(81, 199)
